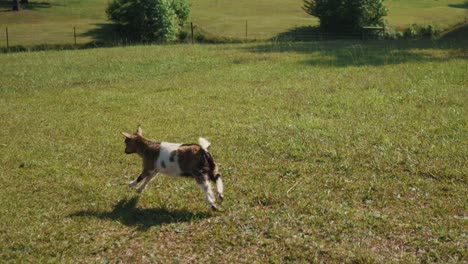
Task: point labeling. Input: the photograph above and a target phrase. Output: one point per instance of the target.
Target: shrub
(418, 31)
(149, 20)
(343, 16)
(393, 34)
(428, 31)
(411, 32)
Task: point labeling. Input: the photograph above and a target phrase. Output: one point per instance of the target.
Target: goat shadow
(127, 213)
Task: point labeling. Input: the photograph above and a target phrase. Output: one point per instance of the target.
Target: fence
(17, 38)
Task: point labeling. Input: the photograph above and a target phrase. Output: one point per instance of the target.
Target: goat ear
(139, 131)
(127, 135)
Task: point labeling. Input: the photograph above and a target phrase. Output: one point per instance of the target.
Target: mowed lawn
(54, 21)
(330, 151)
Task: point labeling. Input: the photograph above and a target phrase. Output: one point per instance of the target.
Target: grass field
(442, 14)
(52, 21)
(330, 151)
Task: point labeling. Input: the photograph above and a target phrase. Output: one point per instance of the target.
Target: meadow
(53, 21)
(333, 151)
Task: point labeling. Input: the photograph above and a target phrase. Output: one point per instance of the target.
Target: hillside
(53, 21)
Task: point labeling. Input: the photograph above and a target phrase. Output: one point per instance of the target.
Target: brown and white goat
(173, 159)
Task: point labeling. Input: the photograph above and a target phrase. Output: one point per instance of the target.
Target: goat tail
(205, 144)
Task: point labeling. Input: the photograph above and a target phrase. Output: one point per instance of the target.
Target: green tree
(149, 20)
(182, 10)
(346, 15)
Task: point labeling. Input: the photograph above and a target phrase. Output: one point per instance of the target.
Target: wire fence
(14, 38)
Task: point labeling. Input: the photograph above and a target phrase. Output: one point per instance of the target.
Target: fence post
(7, 40)
(74, 34)
(191, 29)
(246, 24)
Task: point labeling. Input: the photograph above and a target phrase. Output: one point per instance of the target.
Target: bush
(411, 32)
(428, 31)
(393, 34)
(344, 16)
(418, 31)
(149, 20)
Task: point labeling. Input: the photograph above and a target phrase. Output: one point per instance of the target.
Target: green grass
(265, 18)
(52, 21)
(442, 14)
(330, 151)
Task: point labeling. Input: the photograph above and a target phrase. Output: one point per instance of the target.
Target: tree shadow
(313, 33)
(331, 52)
(6, 5)
(110, 35)
(463, 6)
(104, 33)
(457, 33)
(306, 33)
(126, 212)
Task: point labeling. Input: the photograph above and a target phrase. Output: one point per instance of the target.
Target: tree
(346, 15)
(149, 20)
(182, 10)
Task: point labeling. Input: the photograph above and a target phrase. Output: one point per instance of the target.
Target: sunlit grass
(330, 151)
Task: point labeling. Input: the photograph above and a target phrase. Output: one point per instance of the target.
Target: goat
(173, 159)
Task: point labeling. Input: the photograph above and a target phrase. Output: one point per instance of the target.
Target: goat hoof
(220, 197)
(214, 208)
